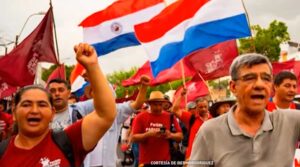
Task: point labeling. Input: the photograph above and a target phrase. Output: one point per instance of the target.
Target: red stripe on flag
(117, 9)
(170, 17)
(78, 70)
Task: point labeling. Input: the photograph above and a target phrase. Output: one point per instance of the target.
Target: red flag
(281, 66)
(124, 99)
(195, 88)
(171, 74)
(214, 62)
(5, 89)
(59, 72)
(18, 68)
(296, 71)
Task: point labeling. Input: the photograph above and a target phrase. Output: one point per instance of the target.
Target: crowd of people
(48, 126)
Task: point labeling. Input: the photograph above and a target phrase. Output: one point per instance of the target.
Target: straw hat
(217, 104)
(156, 96)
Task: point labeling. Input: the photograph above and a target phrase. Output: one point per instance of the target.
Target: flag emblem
(116, 28)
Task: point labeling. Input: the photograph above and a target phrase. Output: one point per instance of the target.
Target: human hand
(168, 134)
(183, 92)
(145, 80)
(86, 55)
(153, 133)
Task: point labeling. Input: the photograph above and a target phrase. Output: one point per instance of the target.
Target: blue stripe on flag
(80, 91)
(199, 37)
(118, 42)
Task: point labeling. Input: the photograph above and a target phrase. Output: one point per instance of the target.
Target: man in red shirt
(285, 86)
(191, 121)
(152, 131)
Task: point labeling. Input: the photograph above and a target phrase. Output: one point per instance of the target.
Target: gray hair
(247, 60)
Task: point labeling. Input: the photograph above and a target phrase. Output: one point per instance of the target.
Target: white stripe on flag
(102, 32)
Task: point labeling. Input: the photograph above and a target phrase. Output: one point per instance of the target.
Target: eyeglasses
(253, 77)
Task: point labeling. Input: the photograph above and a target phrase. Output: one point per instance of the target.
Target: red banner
(18, 68)
(214, 62)
(171, 74)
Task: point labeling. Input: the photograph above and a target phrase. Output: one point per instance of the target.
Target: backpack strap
(75, 113)
(191, 123)
(297, 106)
(63, 142)
(171, 122)
(3, 146)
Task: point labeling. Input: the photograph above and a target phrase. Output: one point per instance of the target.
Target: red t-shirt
(153, 148)
(271, 106)
(8, 119)
(185, 118)
(46, 153)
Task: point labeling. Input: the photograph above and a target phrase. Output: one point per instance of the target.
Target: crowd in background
(156, 131)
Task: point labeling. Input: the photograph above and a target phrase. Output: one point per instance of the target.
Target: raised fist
(86, 55)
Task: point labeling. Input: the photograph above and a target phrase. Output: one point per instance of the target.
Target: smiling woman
(36, 145)
(33, 111)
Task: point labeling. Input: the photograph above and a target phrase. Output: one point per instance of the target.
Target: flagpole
(54, 27)
(210, 93)
(248, 21)
(64, 71)
(183, 80)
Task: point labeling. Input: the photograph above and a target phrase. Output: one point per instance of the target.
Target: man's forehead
(57, 85)
(289, 81)
(257, 68)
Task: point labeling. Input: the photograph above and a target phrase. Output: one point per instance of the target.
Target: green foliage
(46, 73)
(117, 77)
(220, 84)
(266, 41)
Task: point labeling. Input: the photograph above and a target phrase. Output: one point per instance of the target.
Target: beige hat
(217, 104)
(156, 96)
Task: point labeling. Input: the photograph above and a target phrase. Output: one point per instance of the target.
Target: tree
(220, 84)
(117, 77)
(266, 41)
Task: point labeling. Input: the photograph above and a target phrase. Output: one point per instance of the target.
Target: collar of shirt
(235, 129)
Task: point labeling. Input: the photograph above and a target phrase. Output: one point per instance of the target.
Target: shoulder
(289, 117)
(165, 113)
(215, 124)
(142, 115)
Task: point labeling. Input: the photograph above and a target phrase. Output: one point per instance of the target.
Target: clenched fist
(86, 55)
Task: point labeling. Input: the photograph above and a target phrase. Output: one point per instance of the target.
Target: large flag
(214, 62)
(188, 25)
(18, 68)
(174, 73)
(113, 27)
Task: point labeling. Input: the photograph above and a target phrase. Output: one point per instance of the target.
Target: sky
(69, 13)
